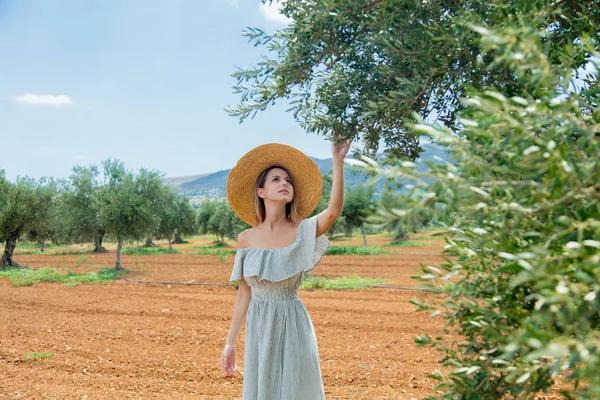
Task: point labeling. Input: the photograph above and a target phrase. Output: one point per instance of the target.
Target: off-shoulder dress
(281, 357)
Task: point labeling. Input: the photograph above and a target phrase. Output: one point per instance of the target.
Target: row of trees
(128, 206)
(90, 205)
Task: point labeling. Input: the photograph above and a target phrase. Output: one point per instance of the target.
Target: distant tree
(82, 202)
(358, 204)
(186, 219)
(205, 212)
(224, 223)
(45, 225)
(177, 216)
(23, 202)
(217, 218)
(411, 223)
(128, 202)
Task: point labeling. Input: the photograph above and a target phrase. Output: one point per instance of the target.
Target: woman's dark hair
(291, 212)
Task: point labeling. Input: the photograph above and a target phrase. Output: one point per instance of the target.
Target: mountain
(213, 185)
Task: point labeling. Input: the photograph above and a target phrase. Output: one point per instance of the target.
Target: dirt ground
(128, 340)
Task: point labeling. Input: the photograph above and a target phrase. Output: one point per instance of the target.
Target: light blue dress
(281, 358)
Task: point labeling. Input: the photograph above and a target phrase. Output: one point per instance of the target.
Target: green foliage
(524, 300)
(346, 282)
(128, 202)
(411, 223)
(212, 251)
(148, 250)
(358, 203)
(355, 250)
(27, 205)
(360, 68)
(38, 356)
(27, 277)
(47, 222)
(177, 216)
(218, 218)
(81, 205)
(408, 243)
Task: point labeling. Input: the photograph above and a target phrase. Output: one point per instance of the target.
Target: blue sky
(144, 81)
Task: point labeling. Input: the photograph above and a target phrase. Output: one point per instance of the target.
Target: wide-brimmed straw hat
(308, 183)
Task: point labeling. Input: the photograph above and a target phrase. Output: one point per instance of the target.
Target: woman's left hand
(340, 148)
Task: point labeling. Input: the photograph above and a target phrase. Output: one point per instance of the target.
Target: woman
(274, 188)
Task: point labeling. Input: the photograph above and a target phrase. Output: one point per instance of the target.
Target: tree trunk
(149, 242)
(9, 247)
(400, 237)
(118, 265)
(41, 246)
(178, 238)
(364, 234)
(98, 243)
(170, 245)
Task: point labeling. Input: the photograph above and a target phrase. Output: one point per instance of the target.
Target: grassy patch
(408, 243)
(27, 277)
(355, 250)
(38, 356)
(214, 251)
(56, 252)
(147, 250)
(346, 282)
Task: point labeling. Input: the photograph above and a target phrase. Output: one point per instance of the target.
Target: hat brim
(308, 182)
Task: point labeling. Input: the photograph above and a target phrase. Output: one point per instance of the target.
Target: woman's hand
(228, 360)
(339, 148)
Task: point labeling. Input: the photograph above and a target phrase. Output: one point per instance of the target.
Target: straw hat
(308, 183)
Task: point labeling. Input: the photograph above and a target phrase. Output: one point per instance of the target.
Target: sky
(143, 81)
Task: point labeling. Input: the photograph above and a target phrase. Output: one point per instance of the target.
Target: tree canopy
(523, 292)
(361, 68)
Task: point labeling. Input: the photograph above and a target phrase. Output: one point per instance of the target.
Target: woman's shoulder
(244, 238)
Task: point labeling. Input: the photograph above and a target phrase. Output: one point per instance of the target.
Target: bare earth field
(128, 340)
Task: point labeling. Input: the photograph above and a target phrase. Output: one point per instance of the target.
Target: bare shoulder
(244, 238)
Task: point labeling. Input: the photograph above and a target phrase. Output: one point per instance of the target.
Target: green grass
(38, 356)
(56, 252)
(27, 277)
(355, 250)
(147, 250)
(346, 282)
(408, 243)
(214, 251)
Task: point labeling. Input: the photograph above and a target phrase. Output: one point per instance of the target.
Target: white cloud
(44, 100)
(270, 10)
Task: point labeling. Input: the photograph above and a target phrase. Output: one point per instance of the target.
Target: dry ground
(126, 340)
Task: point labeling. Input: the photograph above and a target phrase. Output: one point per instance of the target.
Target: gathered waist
(274, 297)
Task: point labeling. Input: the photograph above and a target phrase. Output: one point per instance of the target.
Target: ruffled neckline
(276, 248)
(279, 263)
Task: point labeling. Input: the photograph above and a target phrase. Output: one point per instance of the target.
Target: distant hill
(213, 185)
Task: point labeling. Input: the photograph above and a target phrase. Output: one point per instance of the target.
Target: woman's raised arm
(336, 203)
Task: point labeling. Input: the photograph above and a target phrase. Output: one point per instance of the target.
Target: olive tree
(216, 217)
(82, 207)
(46, 224)
(23, 201)
(522, 309)
(177, 216)
(361, 68)
(127, 203)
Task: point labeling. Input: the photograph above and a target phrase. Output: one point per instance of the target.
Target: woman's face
(277, 187)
